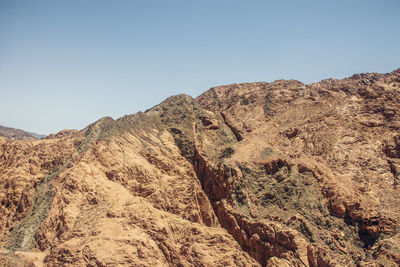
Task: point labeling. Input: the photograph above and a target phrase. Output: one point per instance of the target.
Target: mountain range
(17, 134)
(252, 174)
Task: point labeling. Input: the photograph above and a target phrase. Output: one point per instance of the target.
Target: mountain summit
(255, 174)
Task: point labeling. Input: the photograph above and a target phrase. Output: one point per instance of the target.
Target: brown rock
(270, 174)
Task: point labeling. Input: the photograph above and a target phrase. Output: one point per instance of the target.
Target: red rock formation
(270, 174)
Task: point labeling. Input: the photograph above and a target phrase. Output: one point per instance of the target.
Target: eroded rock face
(270, 174)
(321, 159)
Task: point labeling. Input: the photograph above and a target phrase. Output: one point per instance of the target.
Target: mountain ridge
(18, 134)
(252, 174)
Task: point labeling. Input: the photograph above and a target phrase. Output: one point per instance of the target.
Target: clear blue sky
(65, 64)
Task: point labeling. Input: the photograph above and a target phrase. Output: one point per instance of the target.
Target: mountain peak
(251, 174)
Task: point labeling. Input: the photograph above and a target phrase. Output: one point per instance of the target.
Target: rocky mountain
(255, 174)
(17, 134)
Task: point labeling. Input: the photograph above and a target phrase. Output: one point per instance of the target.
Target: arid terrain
(255, 174)
(17, 134)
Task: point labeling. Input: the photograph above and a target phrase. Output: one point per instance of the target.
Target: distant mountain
(37, 136)
(18, 134)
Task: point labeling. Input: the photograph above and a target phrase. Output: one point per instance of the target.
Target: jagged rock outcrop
(270, 174)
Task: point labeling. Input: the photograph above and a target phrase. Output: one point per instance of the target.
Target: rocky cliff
(257, 174)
